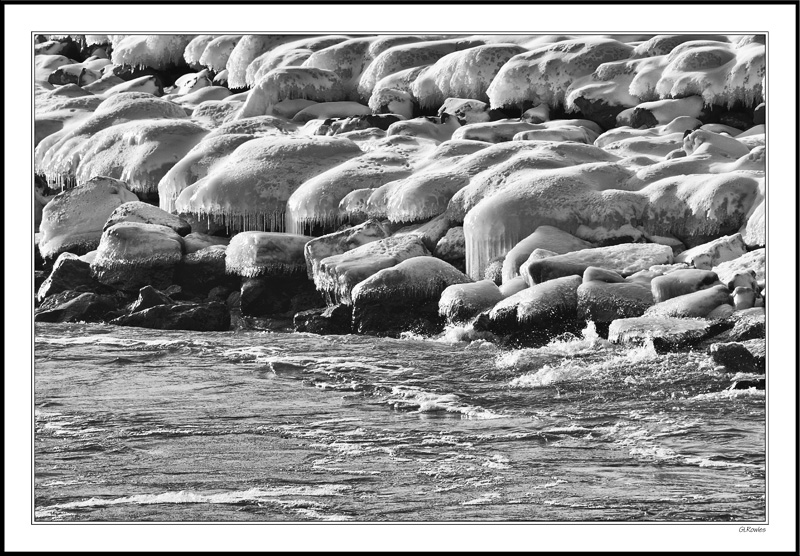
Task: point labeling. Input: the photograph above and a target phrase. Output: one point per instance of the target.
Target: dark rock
(380, 319)
(86, 307)
(39, 276)
(599, 111)
(642, 117)
(180, 316)
(204, 270)
(330, 320)
(760, 114)
(219, 293)
(69, 273)
(758, 383)
(740, 357)
(739, 120)
(149, 297)
(277, 296)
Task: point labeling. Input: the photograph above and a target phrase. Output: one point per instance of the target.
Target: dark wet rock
(666, 333)
(203, 270)
(69, 273)
(180, 316)
(741, 357)
(75, 307)
(739, 120)
(759, 383)
(329, 320)
(419, 317)
(760, 114)
(149, 297)
(692, 305)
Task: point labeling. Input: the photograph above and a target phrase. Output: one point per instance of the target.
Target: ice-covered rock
(681, 282)
(543, 74)
(139, 152)
(709, 255)
(340, 242)
(692, 305)
(461, 302)
(197, 241)
(251, 186)
(544, 237)
(337, 275)
(136, 211)
(154, 51)
(292, 83)
(253, 254)
(754, 260)
(216, 53)
(134, 254)
(665, 333)
(624, 259)
(465, 73)
(603, 302)
(73, 221)
(397, 297)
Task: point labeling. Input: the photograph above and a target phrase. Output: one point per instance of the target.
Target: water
(147, 425)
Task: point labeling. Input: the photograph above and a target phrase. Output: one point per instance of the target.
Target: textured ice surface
(154, 51)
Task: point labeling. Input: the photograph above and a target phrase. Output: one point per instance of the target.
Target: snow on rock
(139, 152)
(73, 220)
(135, 254)
(544, 74)
(252, 254)
(338, 275)
(316, 202)
(353, 206)
(250, 188)
(153, 51)
(213, 113)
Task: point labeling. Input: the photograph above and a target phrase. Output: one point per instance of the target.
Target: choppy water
(135, 425)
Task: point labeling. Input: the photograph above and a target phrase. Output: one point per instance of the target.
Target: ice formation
(462, 74)
(153, 51)
(252, 254)
(544, 237)
(216, 53)
(340, 242)
(407, 56)
(194, 50)
(288, 54)
(139, 153)
(316, 202)
(461, 302)
(250, 188)
(246, 50)
(347, 59)
(137, 211)
(195, 165)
